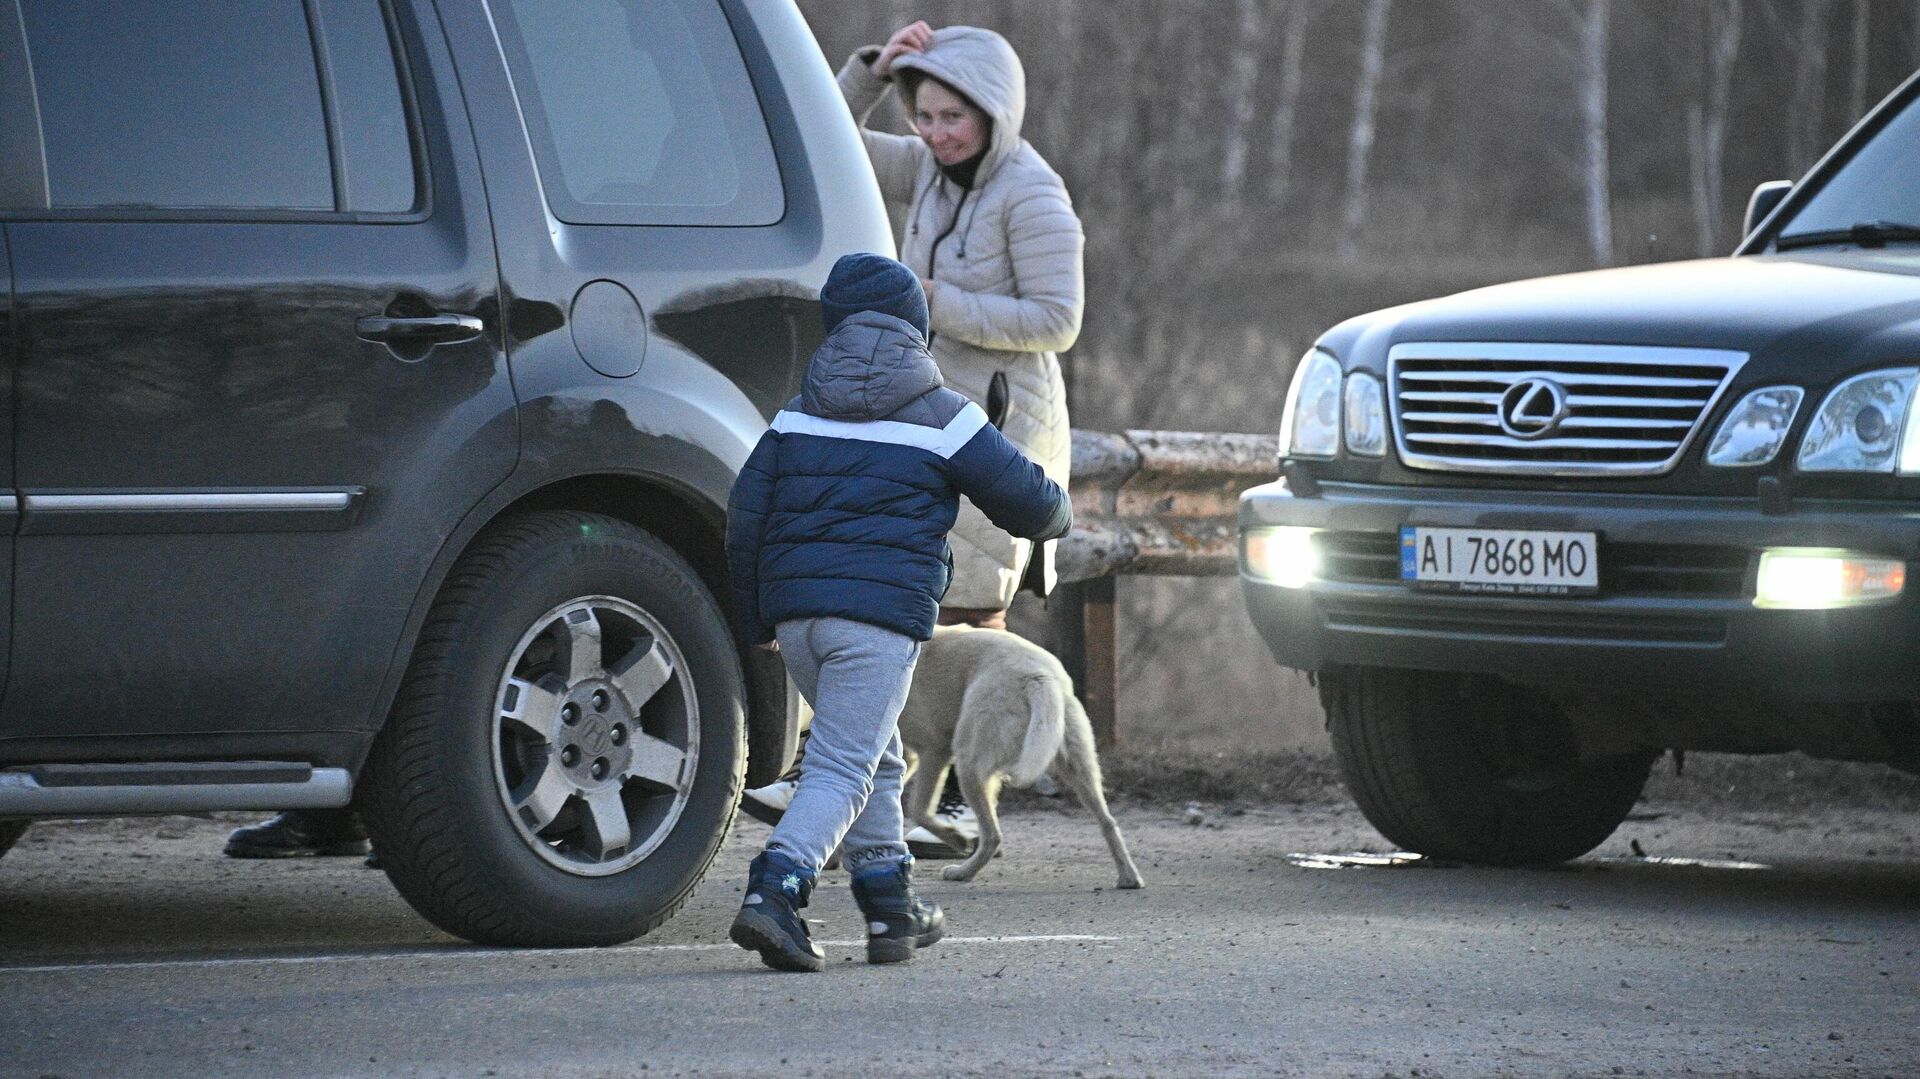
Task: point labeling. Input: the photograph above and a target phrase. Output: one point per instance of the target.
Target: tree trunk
(1593, 111)
(1293, 56)
(1807, 121)
(1241, 75)
(1707, 123)
(1366, 104)
(1862, 42)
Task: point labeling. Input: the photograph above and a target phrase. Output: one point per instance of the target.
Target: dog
(997, 708)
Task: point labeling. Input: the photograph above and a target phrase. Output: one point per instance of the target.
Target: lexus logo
(1533, 408)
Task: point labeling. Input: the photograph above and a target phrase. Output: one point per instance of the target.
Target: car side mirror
(1765, 198)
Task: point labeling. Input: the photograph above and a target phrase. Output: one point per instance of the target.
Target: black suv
(376, 372)
(1532, 535)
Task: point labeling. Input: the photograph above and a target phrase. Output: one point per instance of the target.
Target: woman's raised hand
(914, 37)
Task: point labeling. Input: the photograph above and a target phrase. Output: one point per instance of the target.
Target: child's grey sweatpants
(856, 678)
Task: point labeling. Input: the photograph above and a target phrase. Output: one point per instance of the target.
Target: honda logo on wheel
(1533, 408)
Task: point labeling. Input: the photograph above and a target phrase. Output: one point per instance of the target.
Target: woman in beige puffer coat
(995, 240)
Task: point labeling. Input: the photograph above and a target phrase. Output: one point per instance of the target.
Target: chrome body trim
(21, 795)
(191, 502)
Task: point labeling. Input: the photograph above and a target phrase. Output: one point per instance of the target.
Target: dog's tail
(1046, 730)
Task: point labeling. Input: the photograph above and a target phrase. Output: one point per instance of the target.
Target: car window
(211, 104)
(1874, 186)
(641, 112)
(376, 149)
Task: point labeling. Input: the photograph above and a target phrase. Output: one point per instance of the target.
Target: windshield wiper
(1864, 233)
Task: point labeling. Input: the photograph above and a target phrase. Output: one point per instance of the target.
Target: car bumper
(1675, 612)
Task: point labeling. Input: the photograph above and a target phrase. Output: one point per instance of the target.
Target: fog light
(1285, 556)
(1814, 579)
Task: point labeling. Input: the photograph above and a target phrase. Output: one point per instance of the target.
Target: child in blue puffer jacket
(837, 547)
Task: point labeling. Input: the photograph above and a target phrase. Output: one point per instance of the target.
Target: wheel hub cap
(595, 735)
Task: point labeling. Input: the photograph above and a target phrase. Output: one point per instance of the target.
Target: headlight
(1756, 428)
(1310, 424)
(1858, 427)
(1366, 415)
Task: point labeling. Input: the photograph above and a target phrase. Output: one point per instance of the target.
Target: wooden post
(1099, 686)
(1082, 620)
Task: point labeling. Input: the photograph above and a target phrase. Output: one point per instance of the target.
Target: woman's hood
(982, 66)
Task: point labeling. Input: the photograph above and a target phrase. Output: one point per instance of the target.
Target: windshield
(1880, 184)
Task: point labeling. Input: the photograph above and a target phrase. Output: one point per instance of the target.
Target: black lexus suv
(375, 374)
(1533, 535)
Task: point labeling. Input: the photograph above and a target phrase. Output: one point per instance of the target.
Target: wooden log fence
(1159, 503)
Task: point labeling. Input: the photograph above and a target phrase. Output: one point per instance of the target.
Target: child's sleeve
(747, 509)
(1010, 489)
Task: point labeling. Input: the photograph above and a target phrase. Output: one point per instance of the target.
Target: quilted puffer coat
(843, 508)
(1007, 279)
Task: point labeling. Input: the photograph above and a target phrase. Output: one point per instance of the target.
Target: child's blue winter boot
(769, 921)
(897, 920)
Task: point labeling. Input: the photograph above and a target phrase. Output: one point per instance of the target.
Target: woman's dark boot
(898, 921)
(769, 921)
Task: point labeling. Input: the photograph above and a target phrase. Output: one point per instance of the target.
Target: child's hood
(868, 368)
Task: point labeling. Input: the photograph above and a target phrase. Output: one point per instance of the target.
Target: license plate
(1500, 560)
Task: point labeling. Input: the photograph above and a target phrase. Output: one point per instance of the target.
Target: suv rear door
(262, 375)
(630, 147)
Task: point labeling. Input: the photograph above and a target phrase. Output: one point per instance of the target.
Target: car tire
(10, 832)
(453, 788)
(1472, 769)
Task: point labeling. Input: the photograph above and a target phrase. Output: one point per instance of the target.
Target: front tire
(1473, 770)
(566, 753)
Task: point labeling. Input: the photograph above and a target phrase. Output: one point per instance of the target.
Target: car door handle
(435, 329)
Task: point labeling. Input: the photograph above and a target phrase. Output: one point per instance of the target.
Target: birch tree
(1707, 123)
(1286, 110)
(1806, 118)
(1862, 41)
(1242, 72)
(1366, 107)
(1593, 113)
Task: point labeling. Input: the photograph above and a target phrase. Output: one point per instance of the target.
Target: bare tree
(1862, 41)
(1241, 73)
(1293, 57)
(1593, 112)
(1366, 106)
(1806, 118)
(1707, 122)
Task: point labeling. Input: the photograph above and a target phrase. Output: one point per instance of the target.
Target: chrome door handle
(435, 329)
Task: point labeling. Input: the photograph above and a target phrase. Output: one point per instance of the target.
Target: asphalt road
(131, 948)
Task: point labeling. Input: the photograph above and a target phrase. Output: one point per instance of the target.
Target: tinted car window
(376, 152)
(189, 104)
(1875, 185)
(641, 112)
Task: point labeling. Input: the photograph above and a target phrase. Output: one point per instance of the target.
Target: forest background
(1251, 172)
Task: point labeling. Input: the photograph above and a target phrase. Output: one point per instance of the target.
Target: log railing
(1144, 502)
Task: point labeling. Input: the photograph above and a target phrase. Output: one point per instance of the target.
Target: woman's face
(953, 129)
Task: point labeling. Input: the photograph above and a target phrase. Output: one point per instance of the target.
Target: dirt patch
(1781, 782)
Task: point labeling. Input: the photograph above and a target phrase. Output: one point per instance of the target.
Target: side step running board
(60, 790)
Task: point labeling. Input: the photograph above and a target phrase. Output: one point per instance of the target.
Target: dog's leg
(1079, 766)
(921, 794)
(981, 796)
